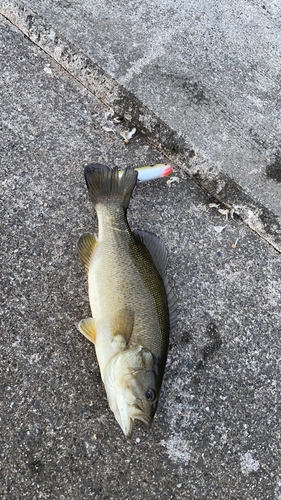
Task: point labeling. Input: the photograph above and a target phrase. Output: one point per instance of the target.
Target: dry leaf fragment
(219, 229)
(172, 179)
(108, 129)
(224, 212)
(131, 133)
(234, 244)
(128, 134)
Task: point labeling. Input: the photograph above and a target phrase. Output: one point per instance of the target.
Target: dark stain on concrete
(258, 140)
(195, 92)
(36, 466)
(186, 337)
(211, 347)
(195, 380)
(273, 171)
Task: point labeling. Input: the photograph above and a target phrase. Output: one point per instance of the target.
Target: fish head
(133, 392)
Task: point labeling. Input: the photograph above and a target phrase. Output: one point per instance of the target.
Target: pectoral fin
(88, 328)
(86, 246)
(122, 325)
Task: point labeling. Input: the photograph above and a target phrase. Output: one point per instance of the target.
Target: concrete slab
(200, 79)
(217, 430)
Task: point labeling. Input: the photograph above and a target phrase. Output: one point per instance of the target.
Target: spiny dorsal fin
(122, 324)
(88, 328)
(156, 248)
(86, 246)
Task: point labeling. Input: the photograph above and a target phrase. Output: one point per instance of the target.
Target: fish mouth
(127, 415)
(139, 415)
(144, 419)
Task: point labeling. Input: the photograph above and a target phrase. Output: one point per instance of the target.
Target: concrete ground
(217, 430)
(201, 80)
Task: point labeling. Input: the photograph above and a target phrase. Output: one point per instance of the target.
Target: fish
(150, 172)
(132, 305)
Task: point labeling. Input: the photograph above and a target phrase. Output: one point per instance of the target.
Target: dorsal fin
(172, 305)
(86, 246)
(156, 248)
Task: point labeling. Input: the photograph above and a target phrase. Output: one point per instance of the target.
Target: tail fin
(105, 183)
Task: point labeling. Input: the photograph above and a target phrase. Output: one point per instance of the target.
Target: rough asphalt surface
(217, 430)
(199, 78)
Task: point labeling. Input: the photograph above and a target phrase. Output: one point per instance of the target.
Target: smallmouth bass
(132, 305)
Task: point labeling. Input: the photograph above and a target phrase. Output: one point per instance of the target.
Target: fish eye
(150, 395)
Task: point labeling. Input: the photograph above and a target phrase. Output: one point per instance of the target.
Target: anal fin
(88, 328)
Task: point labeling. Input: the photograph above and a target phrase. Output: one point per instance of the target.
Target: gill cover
(129, 381)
